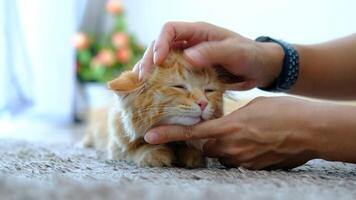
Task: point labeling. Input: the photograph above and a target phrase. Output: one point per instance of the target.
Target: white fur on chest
(126, 121)
(120, 147)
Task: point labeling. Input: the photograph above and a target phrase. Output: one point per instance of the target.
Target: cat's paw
(191, 158)
(155, 156)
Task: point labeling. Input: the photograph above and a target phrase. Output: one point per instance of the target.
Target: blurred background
(55, 56)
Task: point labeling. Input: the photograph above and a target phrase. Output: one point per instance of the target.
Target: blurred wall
(300, 21)
(37, 74)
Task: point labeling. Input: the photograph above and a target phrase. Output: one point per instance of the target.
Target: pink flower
(114, 7)
(120, 40)
(94, 63)
(124, 55)
(81, 41)
(105, 57)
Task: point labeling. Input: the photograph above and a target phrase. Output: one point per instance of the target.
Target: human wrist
(270, 63)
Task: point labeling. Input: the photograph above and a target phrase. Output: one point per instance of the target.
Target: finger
(169, 133)
(239, 143)
(208, 53)
(216, 148)
(236, 145)
(264, 161)
(175, 31)
(220, 149)
(146, 64)
(228, 162)
(292, 162)
(212, 150)
(285, 165)
(240, 153)
(216, 152)
(180, 45)
(136, 68)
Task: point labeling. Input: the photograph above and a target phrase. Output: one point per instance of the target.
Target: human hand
(204, 45)
(277, 132)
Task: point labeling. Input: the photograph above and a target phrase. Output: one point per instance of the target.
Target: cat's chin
(182, 120)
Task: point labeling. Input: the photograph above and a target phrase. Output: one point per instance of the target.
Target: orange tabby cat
(175, 93)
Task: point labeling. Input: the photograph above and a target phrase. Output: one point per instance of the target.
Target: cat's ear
(127, 83)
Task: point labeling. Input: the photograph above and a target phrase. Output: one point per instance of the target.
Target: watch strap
(290, 69)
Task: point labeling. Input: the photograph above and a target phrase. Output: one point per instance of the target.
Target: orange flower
(81, 41)
(124, 55)
(120, 40)
(105, 57)
(114, 7)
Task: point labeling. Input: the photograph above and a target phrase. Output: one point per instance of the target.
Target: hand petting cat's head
(175, 93)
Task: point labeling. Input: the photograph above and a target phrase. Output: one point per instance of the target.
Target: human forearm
(335, 135)
(328, 70)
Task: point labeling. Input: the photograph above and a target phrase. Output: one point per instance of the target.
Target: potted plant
(98, 61)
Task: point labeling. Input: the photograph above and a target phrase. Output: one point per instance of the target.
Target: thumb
(169, 133)
(206, 54)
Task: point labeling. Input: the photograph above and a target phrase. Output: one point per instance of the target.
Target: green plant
(102, 60)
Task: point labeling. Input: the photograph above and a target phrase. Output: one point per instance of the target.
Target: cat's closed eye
(179, 86)
(209, 90)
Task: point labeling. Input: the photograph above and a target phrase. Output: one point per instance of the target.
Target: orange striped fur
(168, 96)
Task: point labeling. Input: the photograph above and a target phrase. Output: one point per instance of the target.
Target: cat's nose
(202, 104)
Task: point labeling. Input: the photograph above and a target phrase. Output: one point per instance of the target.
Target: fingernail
(151, 137)
(155, 57)
(194, 56)
(141, 72)
(140, 75)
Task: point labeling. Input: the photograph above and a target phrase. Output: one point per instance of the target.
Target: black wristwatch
(290, 69)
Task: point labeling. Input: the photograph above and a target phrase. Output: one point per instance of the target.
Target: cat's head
(175, 93)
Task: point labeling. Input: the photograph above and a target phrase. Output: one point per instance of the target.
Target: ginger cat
(175, 93)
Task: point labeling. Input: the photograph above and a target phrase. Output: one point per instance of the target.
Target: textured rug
(43, 171)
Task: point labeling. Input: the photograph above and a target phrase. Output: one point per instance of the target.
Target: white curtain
(37, 73)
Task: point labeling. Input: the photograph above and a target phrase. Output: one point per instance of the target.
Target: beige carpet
(42, 171)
